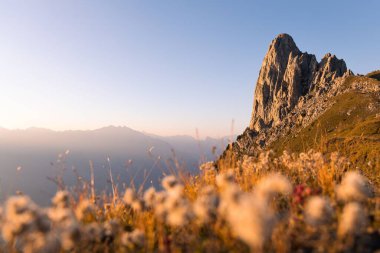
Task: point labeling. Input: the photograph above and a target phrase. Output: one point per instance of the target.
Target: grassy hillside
(374, 74)
(351, 127)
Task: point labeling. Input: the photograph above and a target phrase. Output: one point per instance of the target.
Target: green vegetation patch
(351, 127)
(374, 75)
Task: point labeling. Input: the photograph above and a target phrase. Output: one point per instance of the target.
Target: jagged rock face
(286, 75)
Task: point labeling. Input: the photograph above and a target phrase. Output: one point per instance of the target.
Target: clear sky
(165, 67)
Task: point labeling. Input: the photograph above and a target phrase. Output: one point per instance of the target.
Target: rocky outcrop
(286, 76)
(293, 91)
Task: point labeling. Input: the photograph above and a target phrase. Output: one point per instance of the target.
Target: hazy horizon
(29, 157)
(197, 134)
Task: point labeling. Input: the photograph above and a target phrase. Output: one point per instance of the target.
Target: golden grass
(311, 174)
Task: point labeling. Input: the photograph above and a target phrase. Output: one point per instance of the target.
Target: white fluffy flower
(61, 199)
(85, 209)
(38, 242)
(149, 197)
(92, 232)
(250, 215)
(133, 240)
(251, 220)
(318, 211)
(353, 220)
(171, 206)
(354, 187)
(224, 179)
(206, 205)
(111, 228)
(61, 216)
(21, 215)
(69, 236)
(229, 196)
(131, 199)
(207, 166)
(272, 185)
(169, 182)
(177, 210)
(129, 196)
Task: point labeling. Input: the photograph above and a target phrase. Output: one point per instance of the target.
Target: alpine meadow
(295, 167)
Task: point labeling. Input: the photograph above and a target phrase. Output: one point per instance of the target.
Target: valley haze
(28, 157)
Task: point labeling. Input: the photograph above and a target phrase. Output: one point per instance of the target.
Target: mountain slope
(300, 104)
(350, 126)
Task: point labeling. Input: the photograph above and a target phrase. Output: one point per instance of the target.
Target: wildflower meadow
(294, 203)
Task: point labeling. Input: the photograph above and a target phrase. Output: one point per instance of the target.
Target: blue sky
(164, 67)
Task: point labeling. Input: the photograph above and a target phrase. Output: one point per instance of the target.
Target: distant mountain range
(31, 159)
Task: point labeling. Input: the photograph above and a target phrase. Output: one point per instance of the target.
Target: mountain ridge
(295, 96)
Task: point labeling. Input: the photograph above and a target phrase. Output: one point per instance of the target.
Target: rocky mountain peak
(280, 49)
(287, 75)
